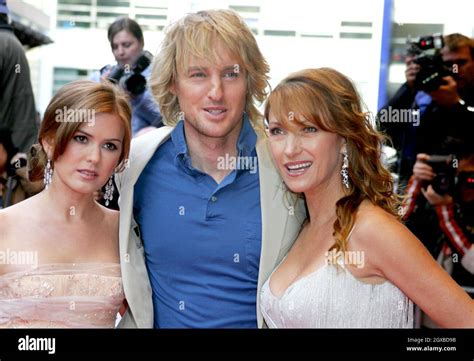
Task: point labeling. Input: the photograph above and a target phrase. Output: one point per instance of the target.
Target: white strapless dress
(86, 295)
(332, 297)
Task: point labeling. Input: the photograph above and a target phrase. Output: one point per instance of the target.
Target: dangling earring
(344, 170)
(48, 174)
(109, 191)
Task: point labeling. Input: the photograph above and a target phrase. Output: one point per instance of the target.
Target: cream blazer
(281, 223)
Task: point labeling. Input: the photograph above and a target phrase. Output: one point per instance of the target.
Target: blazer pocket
(136, 234)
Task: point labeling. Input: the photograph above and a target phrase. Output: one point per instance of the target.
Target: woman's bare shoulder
(16, 218)
(382, 236)
(9, 218)
(371, 217)
(13, 214)
(375, 228)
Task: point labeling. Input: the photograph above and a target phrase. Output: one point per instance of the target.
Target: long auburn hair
(330, 101)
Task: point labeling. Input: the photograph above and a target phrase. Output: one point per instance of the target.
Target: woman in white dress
(353, 264)
(60, 248)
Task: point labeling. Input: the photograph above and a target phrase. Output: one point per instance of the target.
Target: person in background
(445, 222)
(127, 44)
(447, 111)
(14, 183)
(17, 103)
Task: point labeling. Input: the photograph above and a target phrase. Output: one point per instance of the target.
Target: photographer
(131, 73)
(439, 92)
(445, 222)
(14, 183)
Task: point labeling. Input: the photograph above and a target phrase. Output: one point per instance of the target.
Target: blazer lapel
(274, 216)
(142, 149)
(280, 223)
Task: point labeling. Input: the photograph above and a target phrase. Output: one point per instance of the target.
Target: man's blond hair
(195, 35)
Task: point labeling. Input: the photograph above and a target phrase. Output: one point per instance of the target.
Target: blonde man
(204, 216)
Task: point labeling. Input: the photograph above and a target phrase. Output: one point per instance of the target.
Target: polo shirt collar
(245, 143)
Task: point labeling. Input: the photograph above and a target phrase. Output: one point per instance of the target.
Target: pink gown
(86, 295)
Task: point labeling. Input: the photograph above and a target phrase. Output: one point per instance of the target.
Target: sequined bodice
(332, 297)
(84, 295)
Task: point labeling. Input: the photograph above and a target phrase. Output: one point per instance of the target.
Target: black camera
(426, 51)
(444, 180)
(131, 78)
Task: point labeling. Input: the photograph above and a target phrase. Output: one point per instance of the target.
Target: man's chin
(215, 130)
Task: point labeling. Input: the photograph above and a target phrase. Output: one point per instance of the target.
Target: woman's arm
(402, 259)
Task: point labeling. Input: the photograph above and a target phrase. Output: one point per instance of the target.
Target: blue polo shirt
(201, 239)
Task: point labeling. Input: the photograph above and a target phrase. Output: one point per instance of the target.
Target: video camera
(426, 50)
(131, 79)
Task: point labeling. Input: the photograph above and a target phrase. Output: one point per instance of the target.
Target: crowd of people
(218, 216)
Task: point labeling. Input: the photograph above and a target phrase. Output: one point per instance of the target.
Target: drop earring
(109, 190)
(48, 174)
(345, 169)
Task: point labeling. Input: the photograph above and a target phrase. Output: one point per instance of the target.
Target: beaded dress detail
(331, 297)
(85, 295)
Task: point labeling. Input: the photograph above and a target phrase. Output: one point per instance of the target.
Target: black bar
(317, 341)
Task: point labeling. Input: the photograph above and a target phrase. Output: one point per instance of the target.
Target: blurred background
(365, 39)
